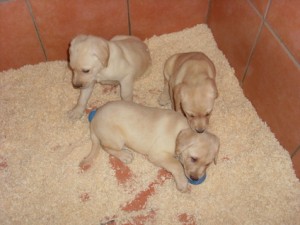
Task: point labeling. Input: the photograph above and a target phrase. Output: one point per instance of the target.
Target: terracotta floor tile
(296, 163)
(19, 43)
(60, 20)
(272, 85)
(284, 18)
(155, 17)
(234, 32)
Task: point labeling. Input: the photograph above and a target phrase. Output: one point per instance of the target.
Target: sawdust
(40, 149)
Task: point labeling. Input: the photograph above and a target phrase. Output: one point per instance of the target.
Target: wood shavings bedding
(40, 149)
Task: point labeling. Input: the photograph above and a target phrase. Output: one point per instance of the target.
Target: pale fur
(189, 84)
(163, 135)
(117, 61)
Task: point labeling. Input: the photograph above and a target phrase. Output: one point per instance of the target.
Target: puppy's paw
(182, 187)
(75, 114)
(182, 184)
(126, 156)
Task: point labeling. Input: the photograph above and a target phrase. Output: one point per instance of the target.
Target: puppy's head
(197, 102)
(196, 152)
(88, 56)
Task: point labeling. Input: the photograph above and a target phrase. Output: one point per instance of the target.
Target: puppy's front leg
(177, 171)
(85, 94)
(176, 101)
(127, 88)
(172, 165)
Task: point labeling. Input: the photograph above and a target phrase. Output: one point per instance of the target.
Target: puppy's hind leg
(86, 163)
(78, 110)
(127, 88)
(123, 154)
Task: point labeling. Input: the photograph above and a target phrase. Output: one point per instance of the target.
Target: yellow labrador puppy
(191, 87)
(163, 135)
(94, 59)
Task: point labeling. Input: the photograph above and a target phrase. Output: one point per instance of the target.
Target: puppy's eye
(85, 71)
(191, 115)
(207, 114)
(194, 159)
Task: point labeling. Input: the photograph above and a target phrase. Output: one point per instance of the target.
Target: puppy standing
(94, 59)
(191, 87)
(164, 136)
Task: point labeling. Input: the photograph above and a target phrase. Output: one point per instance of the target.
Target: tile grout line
(277, 37)
(4, 1)
(36, 28)
(282, 44)
(208, 11)
(128, 16)
(295, 151)
(256, 38)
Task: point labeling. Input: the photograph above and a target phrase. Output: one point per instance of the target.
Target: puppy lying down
(163, 135)
(117, 61)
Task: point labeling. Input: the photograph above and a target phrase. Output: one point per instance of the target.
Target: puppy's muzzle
(200, 130)
(193, 178)
(77, 86)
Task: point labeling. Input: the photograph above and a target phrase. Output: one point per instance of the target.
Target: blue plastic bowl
(199, 181)
(92, 114)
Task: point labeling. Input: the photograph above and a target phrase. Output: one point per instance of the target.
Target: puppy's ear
(102, 51)
(212, 89)
(76, 40)
(216, 91)
(177, 95)
(183, 140)
(79, 38)
(216, 157)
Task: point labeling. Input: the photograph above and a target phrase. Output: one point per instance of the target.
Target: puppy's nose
(77, 85)
(200, 130)
(194, 178)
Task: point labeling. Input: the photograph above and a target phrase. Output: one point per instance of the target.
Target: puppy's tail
(92, 114)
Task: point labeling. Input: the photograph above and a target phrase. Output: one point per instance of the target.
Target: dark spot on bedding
(84, 197)
(3, 163)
